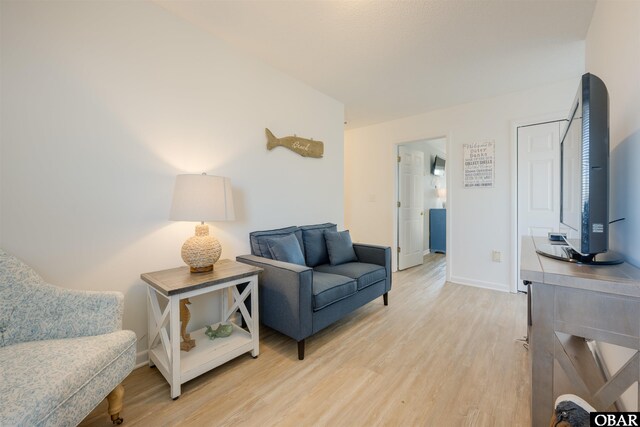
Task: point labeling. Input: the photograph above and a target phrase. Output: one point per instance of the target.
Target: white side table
(170, 286)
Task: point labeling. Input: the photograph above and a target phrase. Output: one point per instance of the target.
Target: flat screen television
(438, 166)
(584, 176)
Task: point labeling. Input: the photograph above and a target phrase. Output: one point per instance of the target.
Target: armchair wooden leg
(115, 403)
(301, 350)
(385, 298)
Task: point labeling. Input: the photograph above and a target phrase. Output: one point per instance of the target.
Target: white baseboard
(142, 359)
(427, 252)
(480, 284)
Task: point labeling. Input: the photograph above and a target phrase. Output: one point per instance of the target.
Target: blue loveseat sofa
(325, 282)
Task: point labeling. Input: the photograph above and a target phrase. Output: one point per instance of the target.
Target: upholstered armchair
(61, 351)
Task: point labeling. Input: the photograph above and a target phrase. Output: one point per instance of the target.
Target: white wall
(613, 54)
(478, 220)
(103, 103)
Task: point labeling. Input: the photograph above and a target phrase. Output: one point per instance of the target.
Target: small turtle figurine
(222, 331)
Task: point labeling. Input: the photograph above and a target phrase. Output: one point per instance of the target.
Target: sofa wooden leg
(301, 350)
(385, 298)
(114, 400)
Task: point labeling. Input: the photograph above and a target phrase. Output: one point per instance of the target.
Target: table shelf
(207, 354)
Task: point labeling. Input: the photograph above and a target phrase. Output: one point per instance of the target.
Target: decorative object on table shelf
(304, 147)
(202, 198)
(222, 331)
(187, 343)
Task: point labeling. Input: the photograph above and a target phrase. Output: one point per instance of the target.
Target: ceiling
(390, 59)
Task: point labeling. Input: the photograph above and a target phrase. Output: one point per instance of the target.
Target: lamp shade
(202, 198)
(441, 193)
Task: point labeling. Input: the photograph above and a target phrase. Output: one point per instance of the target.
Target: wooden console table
(570, 304)
(166, 289)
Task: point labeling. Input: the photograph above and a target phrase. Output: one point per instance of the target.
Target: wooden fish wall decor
(304, 147)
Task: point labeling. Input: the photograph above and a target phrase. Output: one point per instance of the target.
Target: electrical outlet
(496, 256)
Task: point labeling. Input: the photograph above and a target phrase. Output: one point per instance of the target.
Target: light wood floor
(440, 354)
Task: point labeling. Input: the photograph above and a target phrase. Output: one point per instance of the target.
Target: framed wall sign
(479, 164)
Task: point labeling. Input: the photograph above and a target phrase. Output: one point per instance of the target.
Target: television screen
(438, 166)
(584, 169)
(571, 192)
(584, 179)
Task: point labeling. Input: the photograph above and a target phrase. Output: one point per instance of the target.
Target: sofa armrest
(43, 311)
(272, 263)
(374, 254)
(286, 298)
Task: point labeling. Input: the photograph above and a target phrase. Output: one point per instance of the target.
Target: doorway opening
(421, 199)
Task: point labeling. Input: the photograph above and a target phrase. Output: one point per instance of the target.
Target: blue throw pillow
(258, 239)
(315, 247)
(340, 247)
(286, 249)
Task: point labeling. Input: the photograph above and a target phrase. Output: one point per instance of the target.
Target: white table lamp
(202, 198)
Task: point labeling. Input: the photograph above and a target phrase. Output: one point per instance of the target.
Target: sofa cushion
(315, 247)
(364, 273)
(286, 248)
(258, 240)
(339, 247)
(41, 378)
(329, 288)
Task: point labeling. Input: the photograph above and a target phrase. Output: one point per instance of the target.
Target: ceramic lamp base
(201, 251)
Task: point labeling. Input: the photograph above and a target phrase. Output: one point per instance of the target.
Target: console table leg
(174, 363)
(255, 318)
(542, 353)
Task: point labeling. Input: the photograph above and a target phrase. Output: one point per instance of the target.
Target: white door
(410, 207)
(538, 182)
